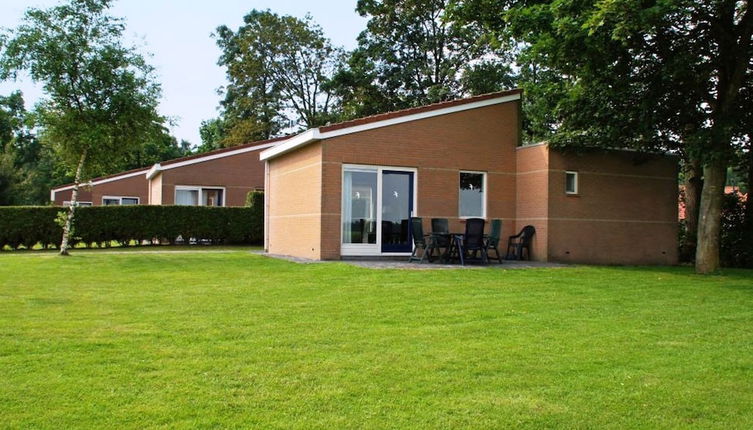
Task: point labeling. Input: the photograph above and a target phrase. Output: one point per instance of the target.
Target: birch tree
(100, 98)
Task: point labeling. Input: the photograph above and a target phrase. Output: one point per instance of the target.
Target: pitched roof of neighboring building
(182, 161)
(387, 119)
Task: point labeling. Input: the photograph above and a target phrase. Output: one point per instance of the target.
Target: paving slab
(404, 264)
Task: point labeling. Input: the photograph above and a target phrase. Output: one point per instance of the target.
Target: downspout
(266, 205)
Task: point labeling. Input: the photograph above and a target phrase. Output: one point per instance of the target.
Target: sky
(176, 34)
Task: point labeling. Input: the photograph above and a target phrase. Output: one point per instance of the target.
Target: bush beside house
(30, 226)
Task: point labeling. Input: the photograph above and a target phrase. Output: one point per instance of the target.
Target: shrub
(737, 234)
(30, 225)
(255, 200)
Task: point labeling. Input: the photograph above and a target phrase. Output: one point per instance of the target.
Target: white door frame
(373, 249)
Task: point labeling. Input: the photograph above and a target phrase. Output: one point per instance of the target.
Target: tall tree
(27, 168)
(649, 75)
(414, 53)
(101, 99)
(278, 68)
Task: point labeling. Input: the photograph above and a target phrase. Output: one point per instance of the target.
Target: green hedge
(31, 225)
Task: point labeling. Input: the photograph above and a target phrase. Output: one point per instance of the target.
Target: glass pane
(471, 194)
(129, 201)
(187, 197)
(570, 182)
(212, 197)
(396, 203)
(359, 207)
(111, 202)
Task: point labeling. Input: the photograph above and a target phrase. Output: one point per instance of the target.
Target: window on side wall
(199, 196)
(117, 201)
(571, 182)
(472, 191)
(68, 203)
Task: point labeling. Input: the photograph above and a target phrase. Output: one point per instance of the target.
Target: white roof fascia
(304, 138)
(153, 171)
(220, 155)
(314, 134)
(101, 181)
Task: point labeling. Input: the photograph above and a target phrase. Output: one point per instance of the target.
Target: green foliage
(412, 53)
(277, 68)
(255, 201)
(159, 146)
(28, 226)
(736, 248)
(212, 133)
(101, 98)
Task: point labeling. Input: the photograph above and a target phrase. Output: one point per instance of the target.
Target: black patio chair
(516, 244)
(440, 228)
(473, 240)
(424, 242)
(492, 241)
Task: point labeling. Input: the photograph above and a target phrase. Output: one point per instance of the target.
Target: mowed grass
(235, 340)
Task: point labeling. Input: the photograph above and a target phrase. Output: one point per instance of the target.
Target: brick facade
(625, 211)
(133, 186)
(237, 174)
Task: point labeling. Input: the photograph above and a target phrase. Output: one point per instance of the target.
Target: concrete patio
(402, 263)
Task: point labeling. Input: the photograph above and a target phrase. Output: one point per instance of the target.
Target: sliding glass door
(397, 206)
(377, 204)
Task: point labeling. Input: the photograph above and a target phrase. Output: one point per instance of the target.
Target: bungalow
(217, 178)
(348, 189)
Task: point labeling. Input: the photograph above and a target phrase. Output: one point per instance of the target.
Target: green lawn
(133, 340)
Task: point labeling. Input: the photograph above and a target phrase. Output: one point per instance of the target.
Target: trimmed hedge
(30, 225)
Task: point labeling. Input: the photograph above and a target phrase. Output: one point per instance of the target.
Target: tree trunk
(693, 187)
(749, 183)
(710, 218)
(72, 208)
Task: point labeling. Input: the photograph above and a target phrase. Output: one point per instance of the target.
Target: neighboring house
(348, 189)
(729, 189)
(217, 178)
(128, 187)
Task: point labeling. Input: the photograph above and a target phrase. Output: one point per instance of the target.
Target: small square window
(571, 182)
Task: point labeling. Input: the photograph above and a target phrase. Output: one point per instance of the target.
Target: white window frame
(200, 189)
(575, 182)
(79, 203)
(374, 249)
(120, 199)
(483, 199)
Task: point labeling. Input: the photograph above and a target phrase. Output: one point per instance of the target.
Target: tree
(101, 99)
(650, 75)
(277, 68)
(159, 146)
(417, 52)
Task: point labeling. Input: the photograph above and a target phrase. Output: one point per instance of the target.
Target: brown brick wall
(440, 147)
(533, 196)
(294, 216)
(84, 195)
(625, 211)
(238, 174)
(134, 186)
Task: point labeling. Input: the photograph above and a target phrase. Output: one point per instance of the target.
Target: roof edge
(388, 119)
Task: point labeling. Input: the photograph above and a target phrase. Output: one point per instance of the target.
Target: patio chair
(424, 242)
(516, 244)
(492, 241)
(440, 228)
(473, 240)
